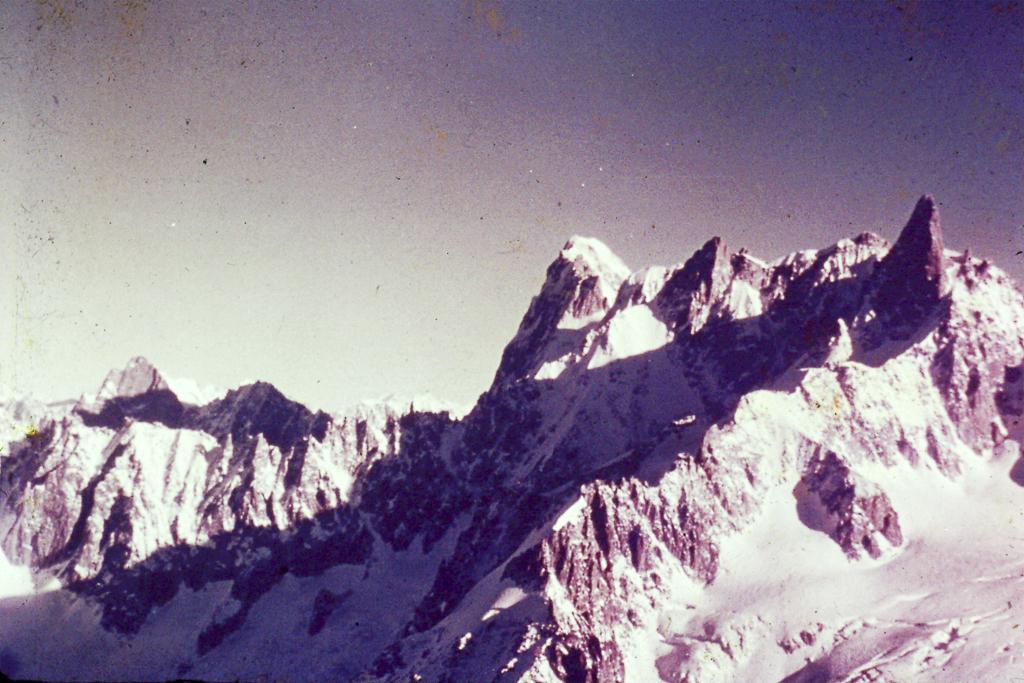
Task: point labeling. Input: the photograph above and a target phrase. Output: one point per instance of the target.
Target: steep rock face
(690, 293)
(917, 260)
(972, 363)
(912, 278)
(414, 494)
(581, 285)
(853, 512)
(70, 481)
(621, 551)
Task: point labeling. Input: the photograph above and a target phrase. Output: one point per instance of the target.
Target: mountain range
(725, 470)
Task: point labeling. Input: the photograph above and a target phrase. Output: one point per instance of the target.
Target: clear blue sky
(356, 199)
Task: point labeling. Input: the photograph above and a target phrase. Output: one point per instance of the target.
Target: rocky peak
(918, 253)
(139, 392)
(259, 408)
(911, 278)
(593, 255)
(710, 264)
(581, 285)
(587, 276)
(692, 288)
(138, 377)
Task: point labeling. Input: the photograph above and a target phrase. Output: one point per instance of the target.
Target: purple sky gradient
(357, 199)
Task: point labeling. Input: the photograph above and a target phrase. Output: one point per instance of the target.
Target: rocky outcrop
(580, 287)
(917, 260)
(853, 512)
(912, 278)
(691, 292)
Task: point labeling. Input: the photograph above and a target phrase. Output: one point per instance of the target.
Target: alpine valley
(726, 470)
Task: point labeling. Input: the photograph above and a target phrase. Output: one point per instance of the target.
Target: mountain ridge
(584, 517)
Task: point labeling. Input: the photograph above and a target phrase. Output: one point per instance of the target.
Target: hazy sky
(357, 199)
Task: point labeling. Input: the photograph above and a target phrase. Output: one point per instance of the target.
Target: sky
(358, 199)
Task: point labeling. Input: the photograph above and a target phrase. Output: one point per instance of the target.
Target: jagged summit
(911, 278)
(581, 285)
(260, 408)
(139, 376)
(701, 280)
(593, 256)
(918, 253)
(588, 274)
(587, 286)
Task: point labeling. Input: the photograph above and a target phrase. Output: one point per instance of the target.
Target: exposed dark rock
(324, 605)
(917, 258)
(1010, 397)
(912, 277)
(157, 406)
(853, 512)
(578, 285)
(258, 409)
(394, 491)
(701, 280)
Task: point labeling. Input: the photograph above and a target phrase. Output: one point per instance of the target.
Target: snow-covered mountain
(725, 470)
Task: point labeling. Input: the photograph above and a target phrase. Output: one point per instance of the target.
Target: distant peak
(925, 210)
(584, 281)
(713, 256)
(594, 256)
(139, 364)
(923, 223)
(712, 245)
(256, 391)
(138, 377)
(581, 242)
